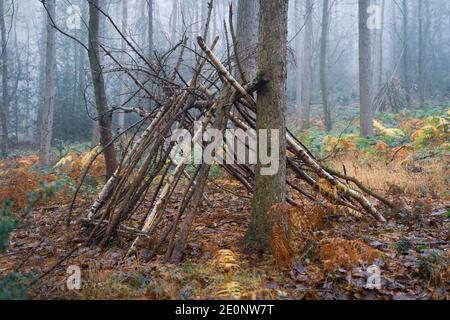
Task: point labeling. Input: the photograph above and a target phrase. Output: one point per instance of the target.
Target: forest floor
(407, 162)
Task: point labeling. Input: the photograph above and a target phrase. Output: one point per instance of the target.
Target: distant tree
(150, 28)
(247, 35)
(380, 46)
(297, 25)
(323, 63)
(423, 38)
(365, 75)
(307, 66)
(104, 116)
(394, 37)
(174, 20)
(49, 88)
(18, 77)
(4, 112)
(123, 87)
(405, 64)
(27, 121)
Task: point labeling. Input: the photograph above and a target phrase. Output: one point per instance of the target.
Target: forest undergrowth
(327, 255)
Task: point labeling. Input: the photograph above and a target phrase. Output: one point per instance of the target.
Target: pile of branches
(391, 97)
(147, 176)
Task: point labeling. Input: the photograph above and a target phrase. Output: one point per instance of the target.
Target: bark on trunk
(405, 70)
(380, 52)
(272, 49)
(49, 89)
(247, 35)
(174, 21)
(307, 68)
(123, 87)
(420, 80)
(297, 25)
(4, 112)
(365, 76)
(150, 28)
(104, 121)
(323, 64)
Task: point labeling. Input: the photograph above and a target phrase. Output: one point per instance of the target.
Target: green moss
(259, 75)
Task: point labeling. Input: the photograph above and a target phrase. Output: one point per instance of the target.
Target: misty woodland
(225, 149)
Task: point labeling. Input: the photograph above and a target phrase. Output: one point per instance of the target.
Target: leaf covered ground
(407, 162)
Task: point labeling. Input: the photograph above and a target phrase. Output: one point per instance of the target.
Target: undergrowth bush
(417, 131)
(14, 286)
(7, 225)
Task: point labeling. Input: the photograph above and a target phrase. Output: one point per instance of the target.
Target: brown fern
(280, 236)
(340, 253)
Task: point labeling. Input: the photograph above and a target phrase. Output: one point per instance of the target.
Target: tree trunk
(323, 64)
(42, 56)
(18, 77)
(380, 53)
(427, 45)
(394, 39)
(150, 28)
(405, 70)
(123, 87)
(95, 134)
(174, 21)
(307, 66)
(27, 123)
(150, 42)
(49, 89)
(204, 16)
(4, 112)
(104, 121)
(365, 75)
(420, 80)
(247, 35)
(271, 105)
(297, 26)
